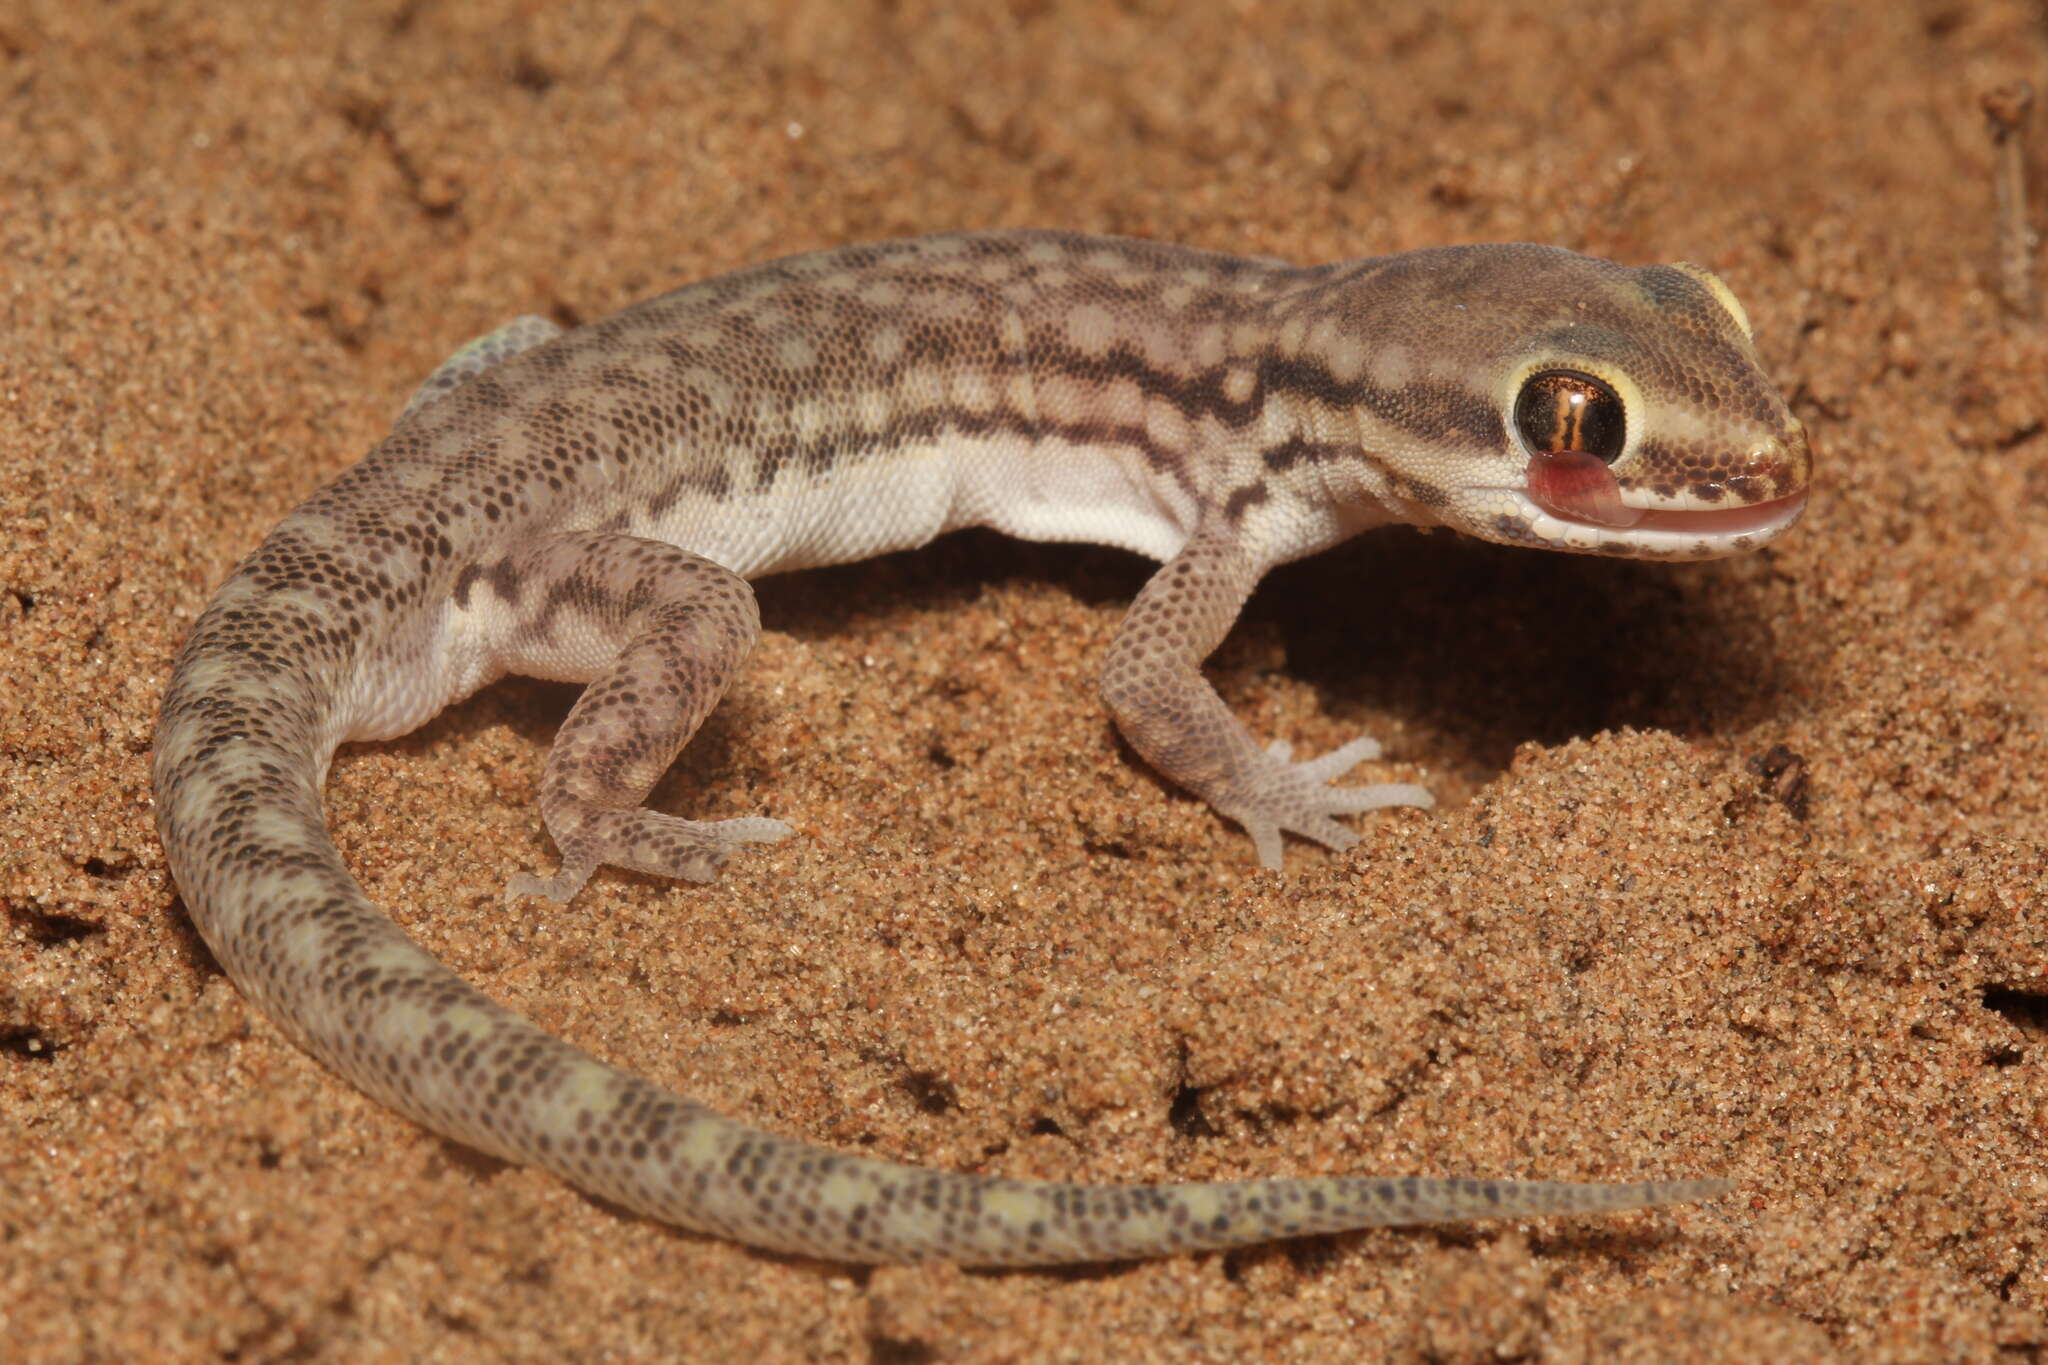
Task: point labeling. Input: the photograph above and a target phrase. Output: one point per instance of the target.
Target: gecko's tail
(243, 744)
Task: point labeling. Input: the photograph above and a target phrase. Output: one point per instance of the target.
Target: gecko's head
(1618, 411)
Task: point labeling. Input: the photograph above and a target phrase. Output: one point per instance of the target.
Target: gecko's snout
(1792, 459)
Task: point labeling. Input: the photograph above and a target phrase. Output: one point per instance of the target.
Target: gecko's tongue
(1578, 487)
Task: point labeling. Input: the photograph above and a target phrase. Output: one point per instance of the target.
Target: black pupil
(1562, 410)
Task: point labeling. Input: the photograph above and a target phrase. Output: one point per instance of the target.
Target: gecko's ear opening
(1721, 292)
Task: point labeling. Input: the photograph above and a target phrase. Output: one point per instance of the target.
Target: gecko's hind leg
(658, 633)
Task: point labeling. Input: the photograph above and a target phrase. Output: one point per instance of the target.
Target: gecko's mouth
(1670, 533)
(1676, 533)
(1571, 501)
(1762, 518)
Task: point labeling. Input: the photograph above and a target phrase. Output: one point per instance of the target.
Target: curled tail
(246, 732)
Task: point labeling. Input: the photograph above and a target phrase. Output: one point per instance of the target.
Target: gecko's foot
(1273, 795)
(645, 841)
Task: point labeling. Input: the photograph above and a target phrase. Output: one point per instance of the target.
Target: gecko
(588, 505)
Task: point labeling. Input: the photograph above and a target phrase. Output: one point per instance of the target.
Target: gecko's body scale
(588, 505)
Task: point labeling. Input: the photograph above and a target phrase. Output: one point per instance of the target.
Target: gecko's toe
(1273, 795)
(645, 841)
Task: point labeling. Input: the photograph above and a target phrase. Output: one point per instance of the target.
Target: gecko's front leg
(1153, 683)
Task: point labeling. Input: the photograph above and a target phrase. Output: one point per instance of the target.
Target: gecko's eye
(1565, 410)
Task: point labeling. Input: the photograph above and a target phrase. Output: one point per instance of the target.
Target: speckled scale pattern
(589, 505)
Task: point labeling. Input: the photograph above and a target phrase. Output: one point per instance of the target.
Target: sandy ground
(1740, 867)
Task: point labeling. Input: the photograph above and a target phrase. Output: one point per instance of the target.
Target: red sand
(1740, 867)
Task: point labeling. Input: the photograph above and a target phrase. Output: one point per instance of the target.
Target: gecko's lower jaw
(1765, 519)
(1677, 533)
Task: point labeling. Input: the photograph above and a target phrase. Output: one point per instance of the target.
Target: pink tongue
(1579, 487)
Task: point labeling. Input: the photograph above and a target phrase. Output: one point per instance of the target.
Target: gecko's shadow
(1481, 648)
(1478, 648)
(1473, 648)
